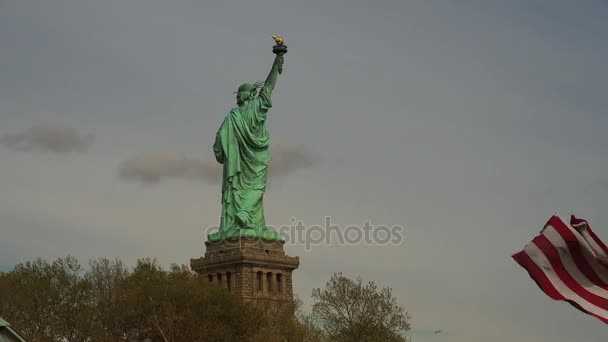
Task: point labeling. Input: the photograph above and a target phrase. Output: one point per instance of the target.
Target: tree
(178, 305)
(278, 321)
(47, 302)
(107, 295)
(58, 302)
(347, 310)
(312, 331)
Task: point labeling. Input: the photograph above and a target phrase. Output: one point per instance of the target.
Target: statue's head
(247, 92)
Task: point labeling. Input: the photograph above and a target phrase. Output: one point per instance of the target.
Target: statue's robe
(241, 144)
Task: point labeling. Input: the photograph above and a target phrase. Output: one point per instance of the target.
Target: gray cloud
(152, 167)
(54, 138)
(287, 159)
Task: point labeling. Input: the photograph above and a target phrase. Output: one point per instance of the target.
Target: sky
(468, 123)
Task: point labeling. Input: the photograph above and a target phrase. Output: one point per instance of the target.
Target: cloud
(287, 159)
(151, 168)
(54, 138)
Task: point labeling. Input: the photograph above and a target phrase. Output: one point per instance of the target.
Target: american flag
(569, 263)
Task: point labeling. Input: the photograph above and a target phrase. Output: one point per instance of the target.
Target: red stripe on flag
(574, 273)
(537, 275)
(577, 252)
(577, 221)
(553, 256)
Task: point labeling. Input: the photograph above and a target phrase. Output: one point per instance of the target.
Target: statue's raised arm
(277, 66)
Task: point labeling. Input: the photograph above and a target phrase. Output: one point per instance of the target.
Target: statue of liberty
(241, 145)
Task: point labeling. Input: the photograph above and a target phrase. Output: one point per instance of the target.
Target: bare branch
(156, 320)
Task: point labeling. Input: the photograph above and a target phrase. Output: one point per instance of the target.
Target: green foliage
(59, 301)
(347, 310)
(313, 331)
(278, 322)
(179, 306)
(47, 302)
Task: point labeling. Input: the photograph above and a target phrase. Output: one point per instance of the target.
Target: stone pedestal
(255, 270)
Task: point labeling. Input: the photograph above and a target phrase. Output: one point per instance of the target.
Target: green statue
(241, 145)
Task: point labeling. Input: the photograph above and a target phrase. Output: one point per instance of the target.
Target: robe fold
(241, 145)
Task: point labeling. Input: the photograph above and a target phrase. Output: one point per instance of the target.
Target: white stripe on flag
(569, 264)
(541, 260)
(583, 229)
(590, 253)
